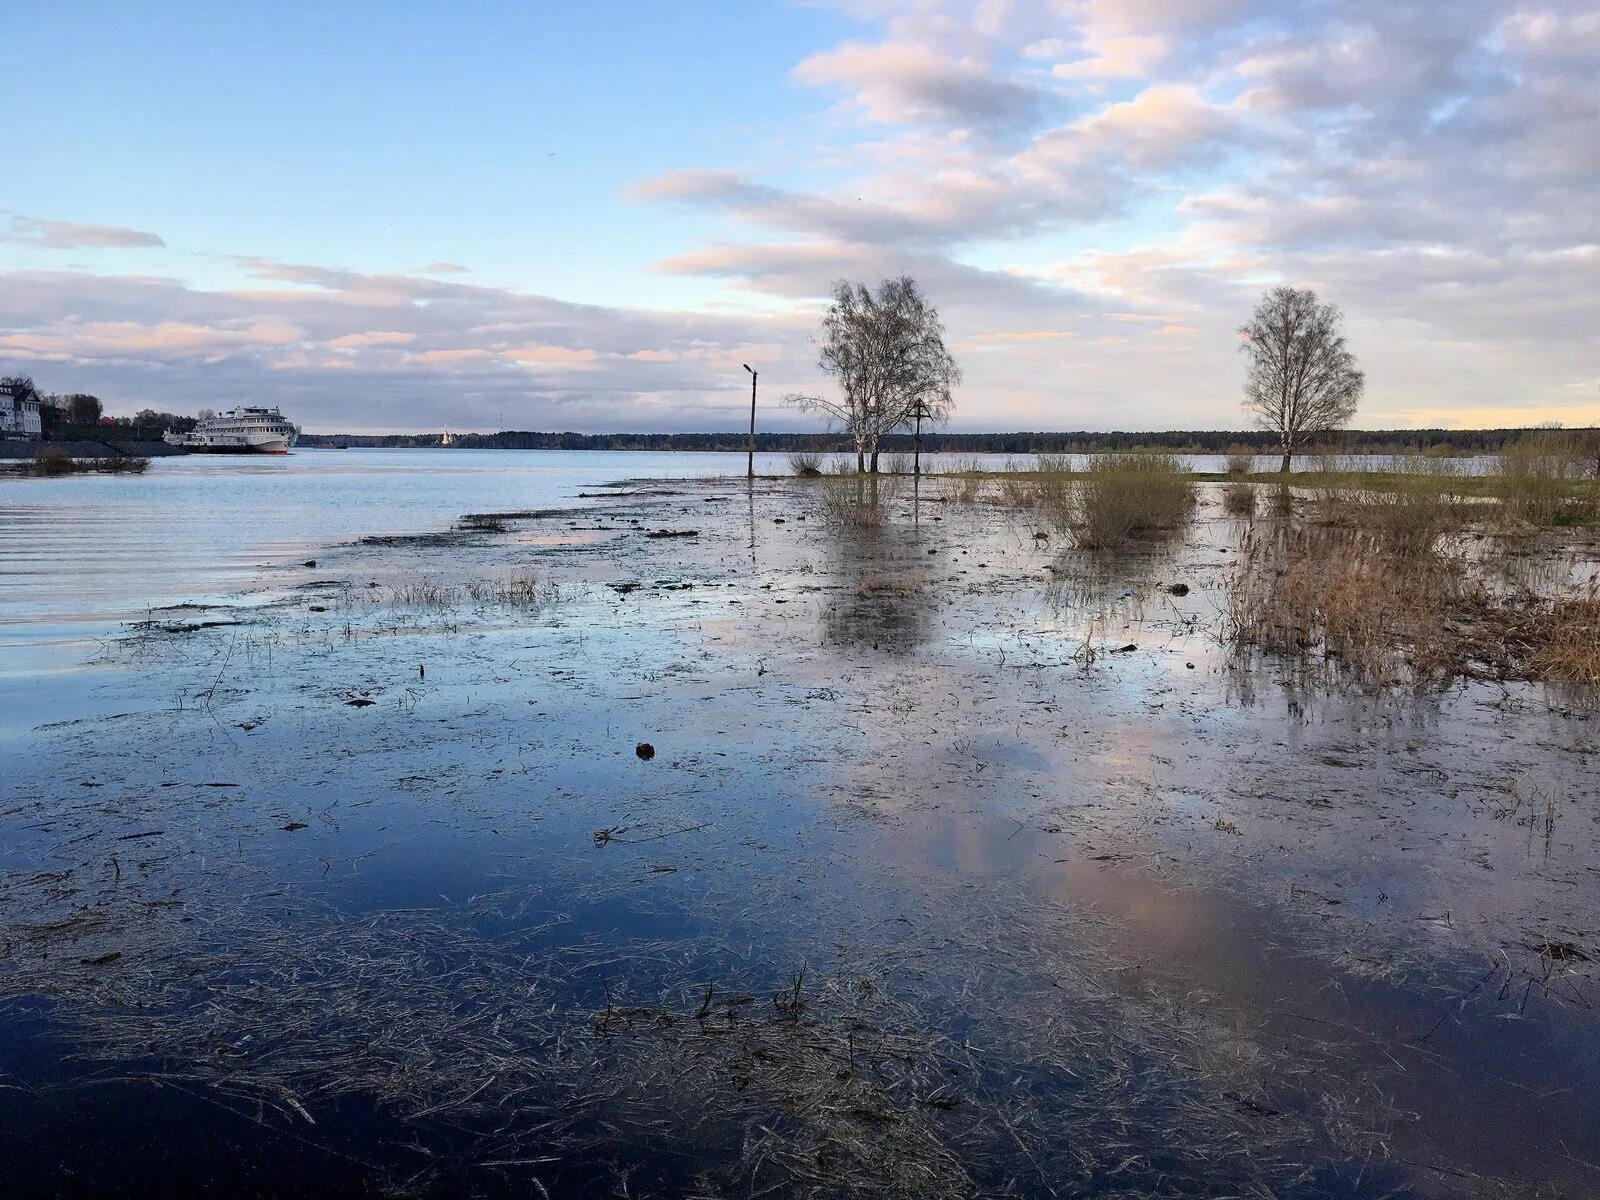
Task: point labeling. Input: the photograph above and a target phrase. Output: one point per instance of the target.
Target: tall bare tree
(1303, 380)
(886, 349)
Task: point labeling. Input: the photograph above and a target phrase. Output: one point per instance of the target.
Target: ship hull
(276, 448)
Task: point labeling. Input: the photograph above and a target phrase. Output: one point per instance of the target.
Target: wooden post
(750, 451)
(916, 451)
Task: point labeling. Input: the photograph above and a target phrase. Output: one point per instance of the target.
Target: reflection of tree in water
(884, 600)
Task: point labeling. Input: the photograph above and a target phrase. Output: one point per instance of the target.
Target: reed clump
(52, 462)
(1123, 496)
(806, 463)
(860, 502)
(1540, 474)
(49, 461)
(1412, 515)
(1566, 642)
(1343, 593)
(1241, 459)
(1239, 500)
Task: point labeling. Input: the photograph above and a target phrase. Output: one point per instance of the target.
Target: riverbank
(874, 841)
(20, 450)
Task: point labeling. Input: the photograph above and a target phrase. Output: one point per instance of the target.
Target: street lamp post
(750, 451)
(916, 453)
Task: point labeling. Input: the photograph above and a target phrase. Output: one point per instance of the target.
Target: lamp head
(746, 366)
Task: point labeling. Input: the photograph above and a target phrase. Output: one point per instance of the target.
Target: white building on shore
(19, 415)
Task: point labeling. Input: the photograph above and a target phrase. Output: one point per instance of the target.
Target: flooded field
(799, 840)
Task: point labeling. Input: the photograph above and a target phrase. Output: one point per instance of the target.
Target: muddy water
(932, 885)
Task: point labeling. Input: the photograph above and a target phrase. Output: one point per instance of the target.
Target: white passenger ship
(240, 430)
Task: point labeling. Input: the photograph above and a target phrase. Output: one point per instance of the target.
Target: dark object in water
(1128, 649)
(645, 751)
(293, 825)
(101, 960)
(360, 702)
(1179, 589)
(310, 562)
(672, 533)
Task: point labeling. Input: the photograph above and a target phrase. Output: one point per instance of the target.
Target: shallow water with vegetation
(819, 838)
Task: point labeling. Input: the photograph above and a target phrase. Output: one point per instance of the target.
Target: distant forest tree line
(1192, 441)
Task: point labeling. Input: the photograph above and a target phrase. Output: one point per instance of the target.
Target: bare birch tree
(1303, 380)
(887, 352)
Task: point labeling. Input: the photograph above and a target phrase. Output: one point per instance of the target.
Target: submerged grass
(1124, 496)
(1239, 500)
(1541, 474)
(1386, 593)
(859, 501)
(50, 462)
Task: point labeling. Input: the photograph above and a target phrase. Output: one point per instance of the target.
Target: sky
(415, 216)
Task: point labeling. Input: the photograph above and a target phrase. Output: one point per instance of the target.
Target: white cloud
(73, 235)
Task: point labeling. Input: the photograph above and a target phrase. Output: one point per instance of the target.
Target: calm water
(81, 553)
(1122, 920)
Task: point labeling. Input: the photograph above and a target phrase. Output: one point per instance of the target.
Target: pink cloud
(71, 235)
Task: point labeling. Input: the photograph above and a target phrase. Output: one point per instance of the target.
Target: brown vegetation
(1239, 500)
(1241, 459)
(50, 461)
(1537, 473)
(1124, 496)
(1386, 595)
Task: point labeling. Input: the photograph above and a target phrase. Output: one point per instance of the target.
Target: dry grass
(806, 463)
(1120, 497)
(1338, 592)
(1567, 641)
(1538, 471)
(1411, 516)
(1388, 597)
(51, 462)
(522, 591)
(1239, 500)
(1241, 460)
(961, 488)
(859, 502)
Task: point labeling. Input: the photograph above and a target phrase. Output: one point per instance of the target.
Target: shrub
(805, 462)
(1412, 514)
(1126, 495)
(1537, 470)
(859, 503)
(1239, 500)
(1339, 592)
(1241, 460)
(48, 460)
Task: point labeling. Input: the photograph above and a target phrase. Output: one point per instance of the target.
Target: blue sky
(586, 216)
(364, 135)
